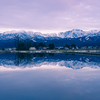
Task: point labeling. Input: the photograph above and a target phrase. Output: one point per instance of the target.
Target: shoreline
(69, 51)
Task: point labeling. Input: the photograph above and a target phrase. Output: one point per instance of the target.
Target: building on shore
(32, 48)
(66, 48)
(8, 49)
(45, 48)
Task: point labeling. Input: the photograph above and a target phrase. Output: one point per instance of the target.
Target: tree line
(22, 44)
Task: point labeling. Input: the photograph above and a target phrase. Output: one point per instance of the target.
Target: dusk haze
(49, 49)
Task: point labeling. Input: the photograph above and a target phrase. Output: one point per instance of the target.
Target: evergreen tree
(51, 46)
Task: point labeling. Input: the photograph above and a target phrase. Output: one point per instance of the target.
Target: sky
(48, 16)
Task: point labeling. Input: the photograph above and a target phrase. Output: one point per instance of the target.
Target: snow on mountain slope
(75, 33)
(25, 35)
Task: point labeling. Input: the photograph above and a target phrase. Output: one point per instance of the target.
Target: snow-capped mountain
(75, 36)
(25, 35)
(75, 33)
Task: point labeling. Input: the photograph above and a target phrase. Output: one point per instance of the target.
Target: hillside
(75, 36)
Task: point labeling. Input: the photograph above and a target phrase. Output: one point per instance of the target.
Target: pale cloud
(49, 15)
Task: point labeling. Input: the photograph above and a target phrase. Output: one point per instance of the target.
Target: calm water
(49, 77)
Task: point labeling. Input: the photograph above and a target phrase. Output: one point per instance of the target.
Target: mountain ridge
(75, 33)
(75, 36)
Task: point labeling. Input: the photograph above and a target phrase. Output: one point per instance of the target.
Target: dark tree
(45, 45)
(51, 46)
(21, 44)
(35, 45)
(3, 48)
(67, 46)
(17, 42)
(73, 45)
(28, 44)
(41, 44)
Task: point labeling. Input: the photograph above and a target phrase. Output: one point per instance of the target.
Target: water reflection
(59, 77)
(15, 60)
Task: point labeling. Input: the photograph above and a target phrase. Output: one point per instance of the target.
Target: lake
(49, 76)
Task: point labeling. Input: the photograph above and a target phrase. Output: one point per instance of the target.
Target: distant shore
(73, 51)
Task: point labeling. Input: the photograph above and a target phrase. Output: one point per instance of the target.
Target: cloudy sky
(49, 15)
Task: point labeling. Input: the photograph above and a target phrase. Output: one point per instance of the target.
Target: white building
(66, 48)
(45, 48)
(13, 48)
(90, 47)
(84, 47)
(32, 48)
(8, 49)
(77, 47)
(59, 48)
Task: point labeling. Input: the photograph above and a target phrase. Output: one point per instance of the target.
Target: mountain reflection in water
(15, 60)
(49, 77)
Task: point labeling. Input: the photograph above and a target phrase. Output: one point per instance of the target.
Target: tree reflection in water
(37, 59)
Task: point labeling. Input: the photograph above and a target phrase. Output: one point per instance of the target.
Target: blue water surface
(49, 77)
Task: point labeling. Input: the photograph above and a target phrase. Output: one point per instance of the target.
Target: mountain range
(75, 36)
